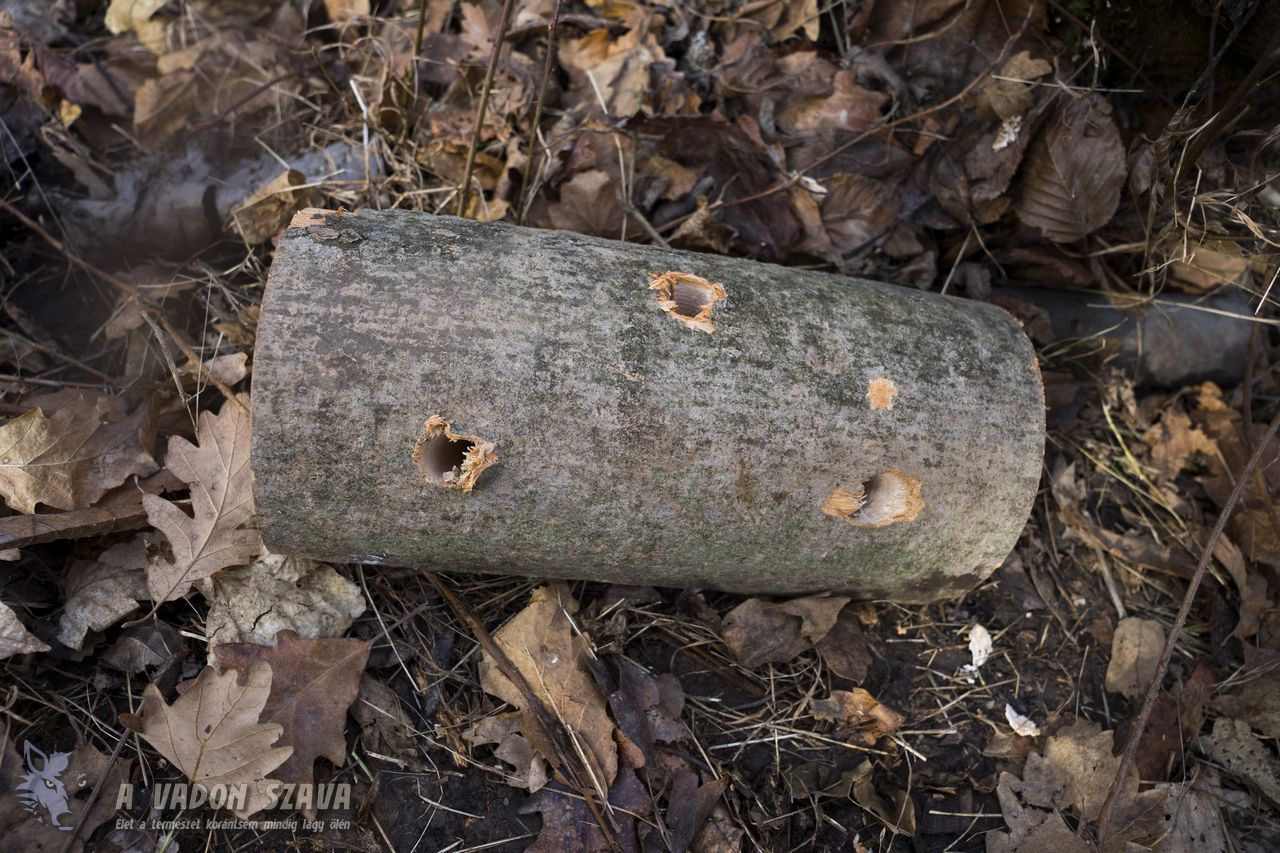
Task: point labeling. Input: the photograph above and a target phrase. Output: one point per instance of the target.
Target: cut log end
(451, 460)
(890, 497)
(688, 298)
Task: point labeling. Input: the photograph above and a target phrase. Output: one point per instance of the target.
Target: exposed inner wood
(890, 497)
(688, 298)
(449, 459)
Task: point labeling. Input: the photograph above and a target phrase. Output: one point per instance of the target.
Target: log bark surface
(830, 433)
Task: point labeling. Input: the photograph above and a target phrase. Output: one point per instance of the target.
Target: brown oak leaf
(313, 684)
(543, 645)
(70, 458)
(212, 734)
(221, 498)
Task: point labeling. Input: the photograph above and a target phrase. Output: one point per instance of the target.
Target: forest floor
(1078, 163)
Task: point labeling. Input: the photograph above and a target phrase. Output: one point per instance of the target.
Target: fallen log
(436, 392)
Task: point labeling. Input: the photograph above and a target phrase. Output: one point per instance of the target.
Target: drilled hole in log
(887, 498)
(442, 458)
(448, 459)
(688, 298)
(692, 299)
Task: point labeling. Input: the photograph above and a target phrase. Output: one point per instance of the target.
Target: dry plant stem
(131, 291)
(1230, 111)
(1140, 724)
(97, 791)
(525, 189)
(567, 754)
(498, 38)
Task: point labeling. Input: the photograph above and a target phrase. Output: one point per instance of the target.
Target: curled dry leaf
(277, 593)
(135, 16)
(212, 734)
(888, 801)
(860, 709)
(15, 639)
(544, 647)
(647, 709)
(1074, 171)
(313, 683)
(760, 632)
(69, 459)
(221, 498)
(385, 728)
(503, 730)
(142, 646)
(101, 592)
(268, 210)
(1135, 653)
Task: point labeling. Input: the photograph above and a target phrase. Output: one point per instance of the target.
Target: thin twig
(552, 726)
(1140, 724)
(525, 190)
(484, 105)
(131, 291)
(88, 805)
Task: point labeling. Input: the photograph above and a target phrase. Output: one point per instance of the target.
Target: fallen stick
(450, 394)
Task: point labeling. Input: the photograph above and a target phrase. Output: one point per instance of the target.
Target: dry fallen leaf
(844, 648)
(70, 458)
(313, 683)
(341, 11)
(384, 726)
(760, 632)
(544, 647)
(1074, 773)
(1135, 652)
(221, 498)
(504, 731)
(268, 210)
(1074, 171)
(101, 592)
(277, 593)
(15, 639)
(1173, 442)
(1257, 703)
(134, 16)
(1193, 816)
(860, 709)
(212, 734)
(887, 800)
(1235, 747)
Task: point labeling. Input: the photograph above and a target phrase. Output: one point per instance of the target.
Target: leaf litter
(950, 146)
